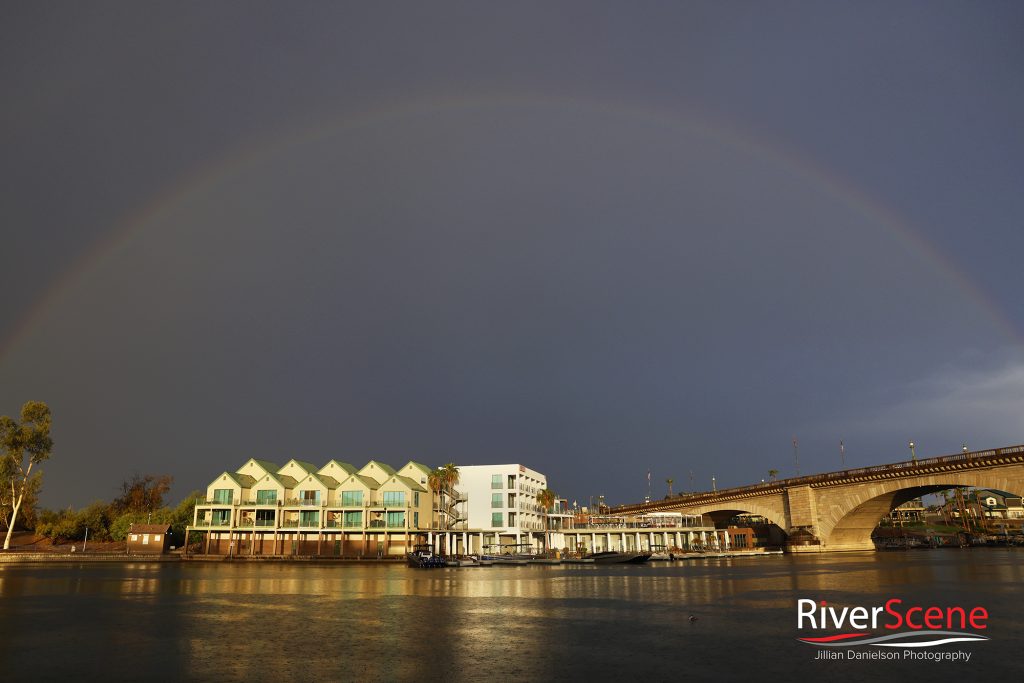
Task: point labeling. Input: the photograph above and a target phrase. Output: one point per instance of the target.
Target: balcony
(382, 524)
(305, 503)
(212, 523)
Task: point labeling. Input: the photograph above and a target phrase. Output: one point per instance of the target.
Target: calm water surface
(300, 622)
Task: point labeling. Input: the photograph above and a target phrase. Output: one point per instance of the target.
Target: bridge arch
(849, 514)
(728, 509)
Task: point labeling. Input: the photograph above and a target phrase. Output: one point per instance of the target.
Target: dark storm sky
(596, 239)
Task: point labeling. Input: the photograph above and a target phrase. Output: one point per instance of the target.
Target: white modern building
(502, 502)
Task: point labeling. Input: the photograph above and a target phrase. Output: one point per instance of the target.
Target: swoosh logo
(845, 639)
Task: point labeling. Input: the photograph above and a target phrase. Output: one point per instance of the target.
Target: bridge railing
(827, 477)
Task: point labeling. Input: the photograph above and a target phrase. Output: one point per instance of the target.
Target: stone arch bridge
(838, 510)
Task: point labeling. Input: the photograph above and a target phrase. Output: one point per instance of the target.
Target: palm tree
(771, 474)
(546, 498)
(442, 482)
(436, 483)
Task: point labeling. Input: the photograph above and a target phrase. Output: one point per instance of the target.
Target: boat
(660, 552)
(508, 554)
(422, 557)
(615, 557)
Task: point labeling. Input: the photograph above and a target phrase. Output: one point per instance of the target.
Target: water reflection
(331, 622)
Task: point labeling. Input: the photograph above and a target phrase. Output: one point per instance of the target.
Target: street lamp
(913, 453)
(964, 448)
(714, 487)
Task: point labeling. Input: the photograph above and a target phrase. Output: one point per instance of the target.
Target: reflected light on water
(259, 621)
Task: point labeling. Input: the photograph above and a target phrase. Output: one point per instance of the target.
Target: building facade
(301, 509)
(501, 503)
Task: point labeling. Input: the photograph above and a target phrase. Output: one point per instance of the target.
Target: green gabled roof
(327, 480)
(348, 469)
(277, 477)
(411, 483)
(243, 480)
(369, 482)
(418, 465)
(270, 467)
(287, 481)
(308, 466)
(384, 466)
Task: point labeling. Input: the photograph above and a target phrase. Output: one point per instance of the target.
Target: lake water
(325, 622)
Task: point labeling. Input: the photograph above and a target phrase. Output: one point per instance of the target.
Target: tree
(772, 474)
(23, 445)
(546, 499)
(143, 493)
(442, 481)
(28, 514)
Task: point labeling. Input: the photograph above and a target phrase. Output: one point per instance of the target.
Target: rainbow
(207, 177)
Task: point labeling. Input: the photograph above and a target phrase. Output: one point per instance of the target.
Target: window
(309, 518)
(354, 519)
(145, 539)
(156, 537)
(265, 518)
(311, 497)
(222, 496)
(266, 497)
(511, 481)
(394, 498)
(220, 517)
(496, 500)
(135, 537)
(511, 519)
(511, 500)
(351, 499)
(416, 498)
(396, 520)
(495, 481)
(416, 520)
(497, 518)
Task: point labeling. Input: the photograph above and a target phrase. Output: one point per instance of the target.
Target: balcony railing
(213, 523)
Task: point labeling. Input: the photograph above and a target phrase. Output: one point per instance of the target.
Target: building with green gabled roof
(374, 511)
(263, 509)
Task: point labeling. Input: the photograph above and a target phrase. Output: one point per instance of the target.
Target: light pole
(714, 487)
(796, 455)
(964, 448)
(913, 453)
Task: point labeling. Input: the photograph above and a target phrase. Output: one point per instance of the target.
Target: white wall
(475, 481)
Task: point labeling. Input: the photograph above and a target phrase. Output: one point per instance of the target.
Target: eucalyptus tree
(23, 445)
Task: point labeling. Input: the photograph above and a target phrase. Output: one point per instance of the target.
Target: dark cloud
(593, 241)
